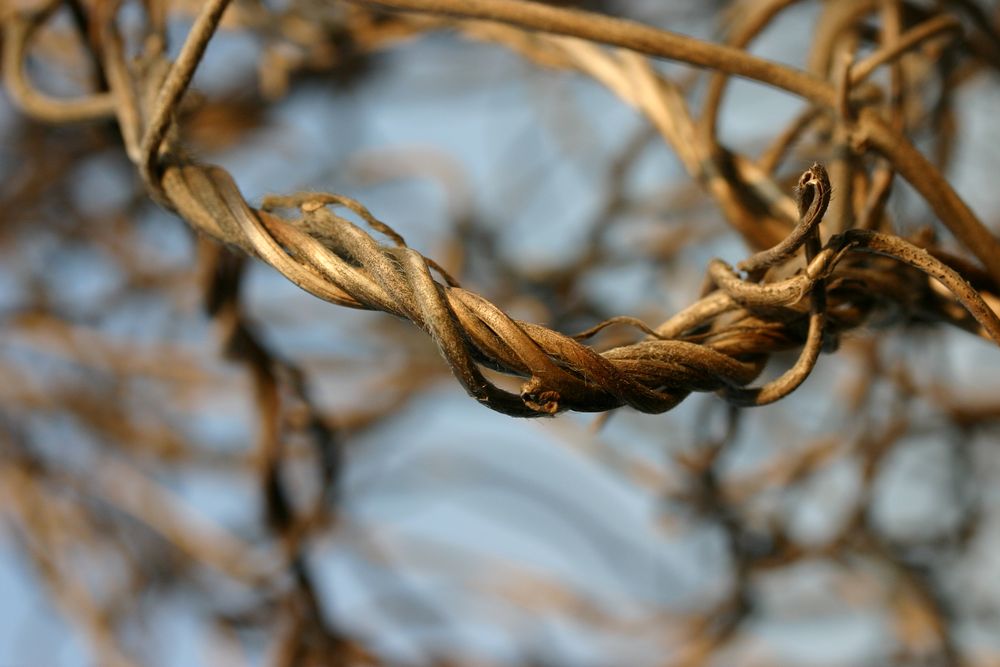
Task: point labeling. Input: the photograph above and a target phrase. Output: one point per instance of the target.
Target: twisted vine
(721, 343)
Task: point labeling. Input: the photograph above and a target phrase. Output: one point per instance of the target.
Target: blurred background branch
(202, 464)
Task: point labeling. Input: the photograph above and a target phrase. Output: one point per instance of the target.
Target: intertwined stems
(813, 201)
(707, 487)
(870, 127)
(651, 376)
(694, 351)
(814, 198)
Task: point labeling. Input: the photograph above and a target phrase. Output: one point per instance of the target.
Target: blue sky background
(494, 503)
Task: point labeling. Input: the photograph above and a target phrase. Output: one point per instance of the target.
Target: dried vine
(337, 261)
(829, 258)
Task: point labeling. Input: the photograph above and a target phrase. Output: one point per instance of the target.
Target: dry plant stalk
(825, 259)
(736, 328)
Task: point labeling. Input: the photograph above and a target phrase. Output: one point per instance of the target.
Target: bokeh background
(856, 522)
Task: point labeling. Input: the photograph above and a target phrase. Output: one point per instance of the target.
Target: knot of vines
(800, 294)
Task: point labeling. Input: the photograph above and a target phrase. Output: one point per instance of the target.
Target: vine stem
(893, 145)
(177, 81)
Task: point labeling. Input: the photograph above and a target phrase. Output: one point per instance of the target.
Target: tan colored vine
(334, 259)
(831, 266)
